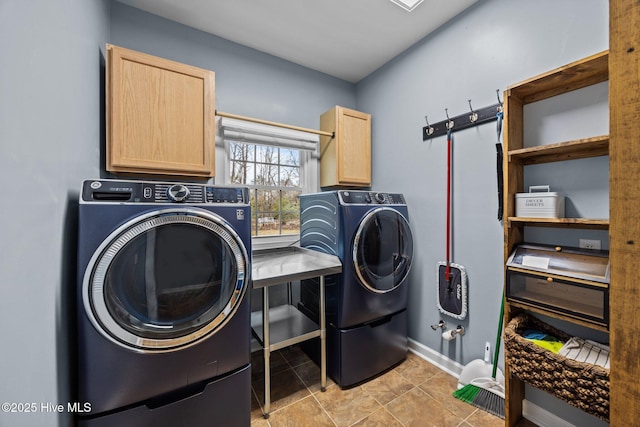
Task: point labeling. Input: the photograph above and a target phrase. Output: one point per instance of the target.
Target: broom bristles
(466, 393)
(481, 398)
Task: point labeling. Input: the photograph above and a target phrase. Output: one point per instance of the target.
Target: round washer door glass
(383, 250)
(167, 279)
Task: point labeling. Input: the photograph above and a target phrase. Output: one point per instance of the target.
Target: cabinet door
(345, 159)
(160, 115)
(354, 147)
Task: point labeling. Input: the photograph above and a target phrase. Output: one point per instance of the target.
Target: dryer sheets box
(540, 202)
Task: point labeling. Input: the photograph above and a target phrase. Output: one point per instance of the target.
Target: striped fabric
(586, 351)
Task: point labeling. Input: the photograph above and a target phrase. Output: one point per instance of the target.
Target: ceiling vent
(407, 5)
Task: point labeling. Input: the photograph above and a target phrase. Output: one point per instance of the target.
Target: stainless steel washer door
(383, 250)
(166, 279)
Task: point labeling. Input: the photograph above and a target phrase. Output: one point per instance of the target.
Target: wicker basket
(582, 385)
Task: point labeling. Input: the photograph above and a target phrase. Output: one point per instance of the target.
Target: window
(273, 174)
(277, 165)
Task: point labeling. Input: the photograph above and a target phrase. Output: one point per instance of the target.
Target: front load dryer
(163, 313)
(365, 304)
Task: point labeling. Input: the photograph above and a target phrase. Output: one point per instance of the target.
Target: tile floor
(414, 393)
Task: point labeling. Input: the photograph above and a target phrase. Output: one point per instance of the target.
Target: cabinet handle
(549, 279)
(558, 248)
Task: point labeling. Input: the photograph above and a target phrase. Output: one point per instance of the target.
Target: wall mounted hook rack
(463, 121)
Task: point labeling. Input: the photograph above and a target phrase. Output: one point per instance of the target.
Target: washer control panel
(178, 192)
(116, 191)
(359, 197)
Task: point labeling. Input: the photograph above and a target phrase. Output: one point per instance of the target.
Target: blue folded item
(548, 342)
(532, 334)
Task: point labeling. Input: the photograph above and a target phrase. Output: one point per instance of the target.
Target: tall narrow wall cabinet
(345, 158)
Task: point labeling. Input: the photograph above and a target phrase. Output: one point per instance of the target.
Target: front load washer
(365, 304)
(163, 311)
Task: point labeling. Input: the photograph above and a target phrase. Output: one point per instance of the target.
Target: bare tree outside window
(273, 175)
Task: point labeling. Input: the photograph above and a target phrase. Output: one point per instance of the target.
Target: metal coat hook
(450, 122)
(474, 116)
(430, 129)
(463, 121)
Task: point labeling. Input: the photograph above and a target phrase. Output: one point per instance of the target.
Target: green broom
(486, 393)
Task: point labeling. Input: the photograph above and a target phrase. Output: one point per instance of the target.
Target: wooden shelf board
(561, 316)
(597, 224)
(568, 150)
(564, 304)
(576, 75)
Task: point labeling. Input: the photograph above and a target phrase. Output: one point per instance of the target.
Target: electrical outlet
(590, 244)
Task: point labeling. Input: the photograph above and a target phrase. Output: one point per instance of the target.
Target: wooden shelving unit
(577, 75)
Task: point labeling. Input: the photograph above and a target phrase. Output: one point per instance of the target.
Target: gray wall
(494, 44)
(50, 133)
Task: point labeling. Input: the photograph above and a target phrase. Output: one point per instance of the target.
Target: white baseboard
(530, 411)
(435, 358)
(542, 417)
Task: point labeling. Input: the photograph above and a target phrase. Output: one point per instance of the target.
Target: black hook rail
(463, 121)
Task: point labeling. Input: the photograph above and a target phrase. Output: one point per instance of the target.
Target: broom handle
(494, 371)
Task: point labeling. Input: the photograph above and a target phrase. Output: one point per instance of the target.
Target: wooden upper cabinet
(160, 116)
(345, 159)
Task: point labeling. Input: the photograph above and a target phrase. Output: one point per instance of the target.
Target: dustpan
(479, 368)
(451, 277)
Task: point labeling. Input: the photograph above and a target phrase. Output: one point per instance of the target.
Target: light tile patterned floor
(413, 394)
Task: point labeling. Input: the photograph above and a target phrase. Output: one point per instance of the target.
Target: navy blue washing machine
(365, 304)
(163, 314)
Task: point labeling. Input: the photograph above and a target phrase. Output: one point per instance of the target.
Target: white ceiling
(347, 39)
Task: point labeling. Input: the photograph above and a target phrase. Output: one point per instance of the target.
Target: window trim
(282, 137)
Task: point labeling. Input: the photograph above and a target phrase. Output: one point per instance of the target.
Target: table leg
(267, 351)
(323, 339)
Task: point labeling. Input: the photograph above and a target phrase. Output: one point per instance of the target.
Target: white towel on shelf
(586, 351)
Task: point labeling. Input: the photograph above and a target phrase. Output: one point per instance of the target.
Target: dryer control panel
(121, 191)
(358, 197)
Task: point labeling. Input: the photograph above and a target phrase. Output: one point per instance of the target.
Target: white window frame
(250, 132)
